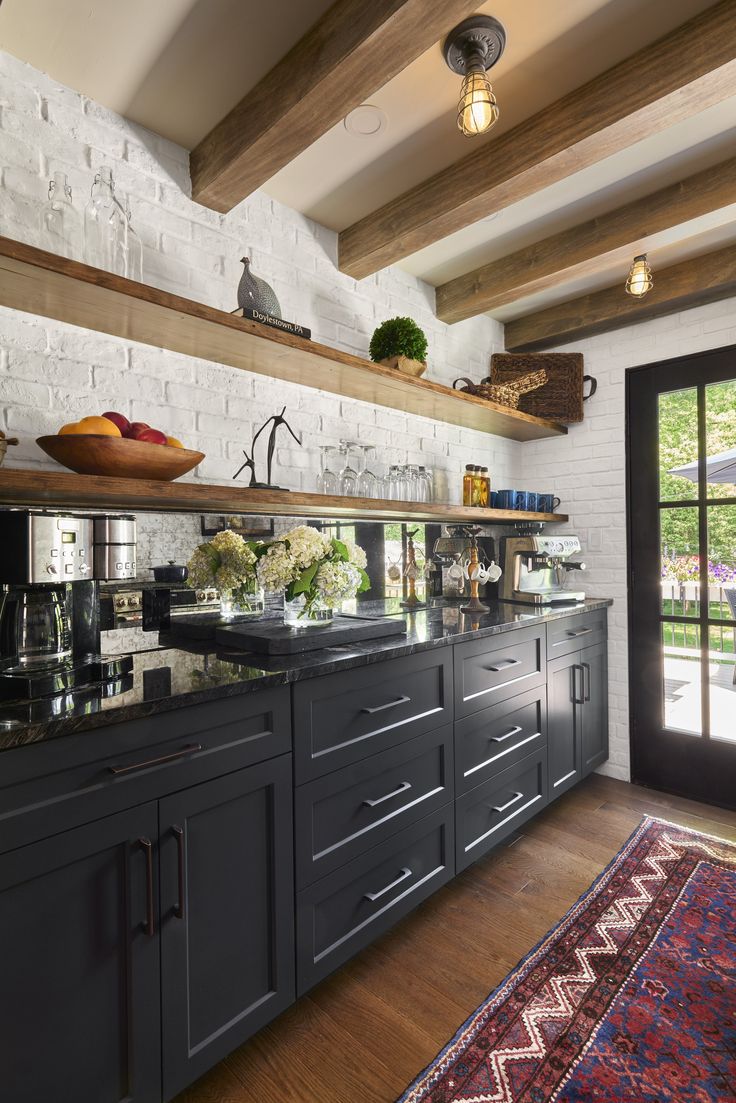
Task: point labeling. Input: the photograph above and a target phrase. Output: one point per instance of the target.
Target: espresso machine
(536, 569)
(49, 606)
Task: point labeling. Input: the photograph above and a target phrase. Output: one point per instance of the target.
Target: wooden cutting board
(273, 638)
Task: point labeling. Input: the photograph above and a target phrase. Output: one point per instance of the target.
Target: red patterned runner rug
(629, 999)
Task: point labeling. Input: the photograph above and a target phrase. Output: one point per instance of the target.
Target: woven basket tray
(507, 393)
(562, 396)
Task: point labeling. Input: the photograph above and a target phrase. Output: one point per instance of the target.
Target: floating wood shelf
(55, 287)
(63, 489)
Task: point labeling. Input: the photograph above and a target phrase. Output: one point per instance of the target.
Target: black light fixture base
(480, 37)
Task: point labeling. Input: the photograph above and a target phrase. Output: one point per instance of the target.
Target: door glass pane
(681, 645)
(720, 435)
(722, 562)
(680, 568)
(721, 674)
(678, 445)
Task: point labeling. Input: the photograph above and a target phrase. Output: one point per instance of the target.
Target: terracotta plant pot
(405, 365)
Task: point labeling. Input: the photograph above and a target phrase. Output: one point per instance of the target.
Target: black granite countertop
(171, 675)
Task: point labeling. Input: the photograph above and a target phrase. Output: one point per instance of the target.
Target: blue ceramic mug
(532, 501)
(547, 503)
(521, 499)
(503, 499)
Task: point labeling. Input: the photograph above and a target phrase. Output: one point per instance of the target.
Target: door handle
(504, 665)
(183, 753)
(388, 705)
(575, 699)
(372, 896)
(580, 632)
(149, 925)
(586, 692)
(507, 735)
(502, 807)
(179, 836)
(402, 788)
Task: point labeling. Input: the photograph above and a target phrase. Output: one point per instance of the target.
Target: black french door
(681, 470)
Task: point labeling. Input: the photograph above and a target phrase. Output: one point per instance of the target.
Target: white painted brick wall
(51, 373)
(587, 469)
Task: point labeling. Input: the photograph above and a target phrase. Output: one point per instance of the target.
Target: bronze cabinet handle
(504, 665)
(149, 925)
(192, 748)
(372, 896)
(502, 807)
(389, 705)
(402, 787)
(507, 735)
(179, 836)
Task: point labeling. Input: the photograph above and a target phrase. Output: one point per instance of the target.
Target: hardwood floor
(363, 1034)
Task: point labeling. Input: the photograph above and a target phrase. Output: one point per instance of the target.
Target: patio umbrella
(719, 469)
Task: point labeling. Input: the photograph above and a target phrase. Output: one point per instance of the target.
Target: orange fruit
(72, 427)
(174, 443)
(94, 426)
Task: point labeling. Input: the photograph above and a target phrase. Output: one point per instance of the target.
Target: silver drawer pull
(394, 793)
(406, 872)
(580, 632)
(502, 807)
(508, 734)
(504, 665)
(388, 705)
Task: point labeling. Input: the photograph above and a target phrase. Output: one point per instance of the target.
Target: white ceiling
(177, 66)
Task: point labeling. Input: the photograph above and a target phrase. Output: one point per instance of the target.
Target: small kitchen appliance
(49, 607)
(536, 569)
(115, 546)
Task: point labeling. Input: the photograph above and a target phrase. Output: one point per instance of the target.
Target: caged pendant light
(639, 280)
(471, 49)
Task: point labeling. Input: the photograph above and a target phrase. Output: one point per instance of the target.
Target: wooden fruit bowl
(119, 457)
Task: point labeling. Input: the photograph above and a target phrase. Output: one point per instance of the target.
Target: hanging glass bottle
(61, 224)
(134, 254)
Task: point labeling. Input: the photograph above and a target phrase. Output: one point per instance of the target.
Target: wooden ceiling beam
(703, 279)
(585, 249)
(354, 50)
(676, 77)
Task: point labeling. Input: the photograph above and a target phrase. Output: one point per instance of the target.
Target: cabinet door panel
(564, 718)
(227, 913)
(79, 988)
(497, 667)
(490, 741)
(594, 661)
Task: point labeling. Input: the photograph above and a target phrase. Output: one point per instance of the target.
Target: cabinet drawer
(349, 811)
(496, 738)
(490, 812)
(342, 718)
(569, 634)
(347, 910)
(498, 667)
(69, 781)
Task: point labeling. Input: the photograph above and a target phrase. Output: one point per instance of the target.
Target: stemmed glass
(349, 474)
(367, 481)
(327, 483)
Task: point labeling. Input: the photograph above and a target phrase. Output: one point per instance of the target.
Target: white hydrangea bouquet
(228, 563)
(316, 573)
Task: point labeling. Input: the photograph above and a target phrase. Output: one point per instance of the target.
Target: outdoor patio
(682, 693)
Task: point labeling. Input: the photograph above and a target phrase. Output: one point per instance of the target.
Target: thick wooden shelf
(64, 489)
(55, 287)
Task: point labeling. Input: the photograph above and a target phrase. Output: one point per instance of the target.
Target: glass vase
(246, 601)
(297, 614)
(61, 223)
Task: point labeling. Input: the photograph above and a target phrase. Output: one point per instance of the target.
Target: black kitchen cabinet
(227, 915)
(79, 987)
(577, 716)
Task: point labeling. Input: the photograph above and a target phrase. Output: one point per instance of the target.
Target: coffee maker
(49, 606)
(536, 568)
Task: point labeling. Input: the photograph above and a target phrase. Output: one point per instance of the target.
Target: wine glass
(349, 473)
(327, 483)
(367, 481)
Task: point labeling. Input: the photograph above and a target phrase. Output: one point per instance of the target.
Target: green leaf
(365, 582)
(341, 550)
(305, 580)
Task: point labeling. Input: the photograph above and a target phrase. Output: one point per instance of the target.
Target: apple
(152, 436)
(120, 420)
(137, 427)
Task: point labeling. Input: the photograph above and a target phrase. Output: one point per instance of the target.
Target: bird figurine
(255, 294)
